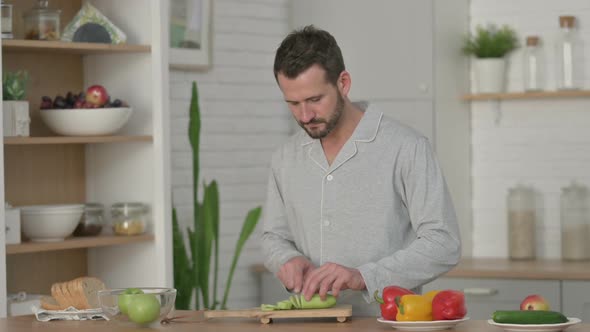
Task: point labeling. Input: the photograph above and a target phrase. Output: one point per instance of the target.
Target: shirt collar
(365, 131)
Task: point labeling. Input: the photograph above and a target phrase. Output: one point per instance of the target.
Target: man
(356, 201)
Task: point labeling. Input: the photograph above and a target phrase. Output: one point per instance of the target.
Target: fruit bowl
(137, 306)
(86, 121)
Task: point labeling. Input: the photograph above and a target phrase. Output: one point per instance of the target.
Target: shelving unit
(132, 165)
(43, 47)
(527, 95)
(75, 140)
(76, 243)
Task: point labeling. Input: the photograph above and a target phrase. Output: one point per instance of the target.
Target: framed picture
(190, 34)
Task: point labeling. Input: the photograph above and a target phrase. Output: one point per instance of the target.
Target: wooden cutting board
(340, 312)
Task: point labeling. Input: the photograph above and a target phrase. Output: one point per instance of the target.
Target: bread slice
(89, 287)
(49, 303)
(80, 293)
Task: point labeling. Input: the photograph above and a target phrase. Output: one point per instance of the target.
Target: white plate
(536, 327)
(435, 325)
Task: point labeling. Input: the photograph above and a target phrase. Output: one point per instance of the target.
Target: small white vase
(15, 117)
(490, 75)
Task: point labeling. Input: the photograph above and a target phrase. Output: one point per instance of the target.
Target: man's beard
(330, 122)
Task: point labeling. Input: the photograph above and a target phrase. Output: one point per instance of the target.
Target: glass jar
(533, 65)
(92, 220)
(42, 23)
(6, 20)
(575, 223)
(129, 218)
(569, 55)
(521, 223)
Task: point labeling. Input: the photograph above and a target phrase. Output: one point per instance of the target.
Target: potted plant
(489, 46)
(14, 108)
(193, 266)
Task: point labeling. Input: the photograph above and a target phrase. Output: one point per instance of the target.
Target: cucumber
(528, 317)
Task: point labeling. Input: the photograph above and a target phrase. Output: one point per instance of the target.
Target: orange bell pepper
(414, 308)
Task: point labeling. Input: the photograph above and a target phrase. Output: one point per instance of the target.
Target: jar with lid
(533, 65)
(41, 22)
(569, 55)
(6, 20)
(521, 222)
(92, 220)
(575, 223)
(129, 218)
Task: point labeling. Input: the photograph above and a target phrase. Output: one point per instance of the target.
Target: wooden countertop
(28, 323)
(540, 269)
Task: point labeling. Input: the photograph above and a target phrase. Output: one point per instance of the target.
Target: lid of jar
(41, 8)
(93, 207)
(576, 189)
(129, 207)
(567, 21)
(532, 40)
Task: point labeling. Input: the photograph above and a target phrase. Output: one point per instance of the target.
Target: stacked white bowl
(50, 223)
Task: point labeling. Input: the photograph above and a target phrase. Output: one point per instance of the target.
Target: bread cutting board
(340, 312)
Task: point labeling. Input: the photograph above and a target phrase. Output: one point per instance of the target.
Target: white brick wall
(243, 121)
(543, 143)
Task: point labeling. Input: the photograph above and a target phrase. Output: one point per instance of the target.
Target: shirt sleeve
(437, 247)
(277, 240)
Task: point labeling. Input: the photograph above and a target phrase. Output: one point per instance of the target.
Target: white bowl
(86, 121)
(50, 223)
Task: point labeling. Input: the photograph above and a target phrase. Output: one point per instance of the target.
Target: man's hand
(293, 272)
(334, 277)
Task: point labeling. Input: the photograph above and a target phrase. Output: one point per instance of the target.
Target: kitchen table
(28, 323)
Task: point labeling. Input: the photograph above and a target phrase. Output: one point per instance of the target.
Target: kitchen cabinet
(130, 166)
(576, 299)
(405, 58)
(484, 296)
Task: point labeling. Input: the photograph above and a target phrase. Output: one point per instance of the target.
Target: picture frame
(189, 23)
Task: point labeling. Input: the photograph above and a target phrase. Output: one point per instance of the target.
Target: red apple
(97, 95)
(534, 302)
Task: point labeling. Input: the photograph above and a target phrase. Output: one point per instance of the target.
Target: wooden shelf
(74, 139)
(76, 243)
(528, 95)
(16, 45)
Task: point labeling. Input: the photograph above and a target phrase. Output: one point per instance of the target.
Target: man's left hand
(332, 277)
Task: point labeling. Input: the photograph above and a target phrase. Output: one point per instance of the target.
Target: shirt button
(326, 223)
(330, 177)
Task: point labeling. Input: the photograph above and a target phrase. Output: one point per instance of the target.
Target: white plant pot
(490, 75)
(15, 117)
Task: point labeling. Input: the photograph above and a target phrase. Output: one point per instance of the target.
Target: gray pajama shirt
(381, 207)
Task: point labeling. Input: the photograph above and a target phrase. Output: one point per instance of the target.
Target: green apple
(126, 297)
(143, 308)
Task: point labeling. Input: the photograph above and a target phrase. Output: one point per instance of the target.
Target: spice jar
(129, 218)
(575, 223)
(6, 20)
(521, 223)
(92, 220)
(42, 23)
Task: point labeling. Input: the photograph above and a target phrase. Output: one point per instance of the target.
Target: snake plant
(192, 272)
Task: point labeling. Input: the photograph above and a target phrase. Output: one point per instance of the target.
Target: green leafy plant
(490, 42)
(191, 273)
(14, 85)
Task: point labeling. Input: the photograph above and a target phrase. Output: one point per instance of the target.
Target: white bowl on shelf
(50, 223)
(86, 121)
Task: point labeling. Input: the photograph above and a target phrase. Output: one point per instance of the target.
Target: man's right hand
(293, 272)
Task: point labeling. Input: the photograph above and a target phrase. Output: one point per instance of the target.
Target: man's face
(315, 104)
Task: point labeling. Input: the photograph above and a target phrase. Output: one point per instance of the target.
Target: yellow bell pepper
(430, 295)
(414, 308)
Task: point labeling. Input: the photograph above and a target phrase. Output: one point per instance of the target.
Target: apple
(97, 95)
(143, 308)
(534, 302)
(126, 297)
